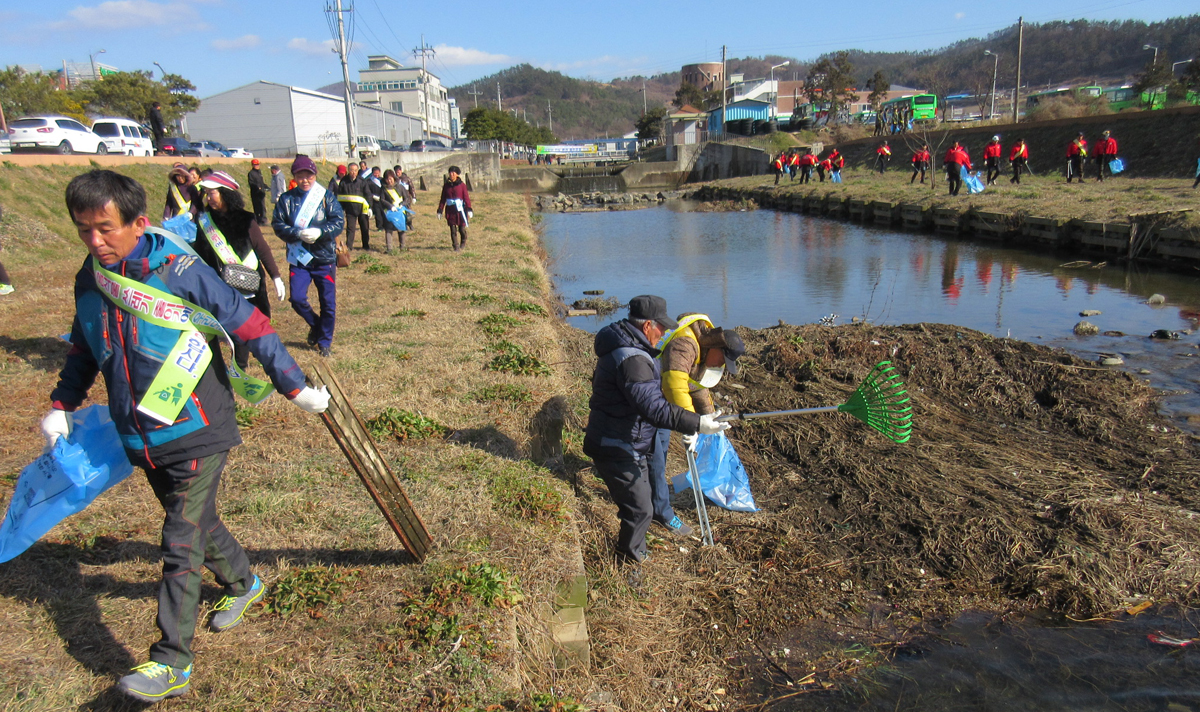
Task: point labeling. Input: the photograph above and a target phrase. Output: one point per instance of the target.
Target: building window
(398, 107)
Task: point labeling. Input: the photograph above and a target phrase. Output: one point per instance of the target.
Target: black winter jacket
(628, 405)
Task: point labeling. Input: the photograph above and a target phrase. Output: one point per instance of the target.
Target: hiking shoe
(229, 610)
(314, 333)
(6, 289)
(676, 527)
(151, 682)
(325, 352)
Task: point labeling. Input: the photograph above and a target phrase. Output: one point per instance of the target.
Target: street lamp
(774, 92)
(92, 58)
(160, 69)
(1146, 46)
(995, 65)
(1176, 64)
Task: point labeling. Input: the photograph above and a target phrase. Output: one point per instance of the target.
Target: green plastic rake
(880, 401)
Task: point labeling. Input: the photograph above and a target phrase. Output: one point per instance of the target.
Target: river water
(757, 268)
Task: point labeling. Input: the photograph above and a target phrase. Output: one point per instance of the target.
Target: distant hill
(1055, 54)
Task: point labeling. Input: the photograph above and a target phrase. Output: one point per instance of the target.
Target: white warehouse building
(276, 120)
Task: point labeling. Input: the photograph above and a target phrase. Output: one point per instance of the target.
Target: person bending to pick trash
(137, 302)
(694, 357)
(627, 409)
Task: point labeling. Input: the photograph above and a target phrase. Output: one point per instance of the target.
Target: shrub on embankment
(1153, 143)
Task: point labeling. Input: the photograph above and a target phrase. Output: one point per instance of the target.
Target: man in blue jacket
(138, 302)
(627, 409)
(309, 219)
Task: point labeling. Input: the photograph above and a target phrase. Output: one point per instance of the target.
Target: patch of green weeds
(503, 393)
(443, 279)
(550, 702)
(459, 284)
(403, 424)
(407, 284)
(478, 300)
(443, 297)
(384, 327)
(524, 307)
(496, 324)
(491, 228)
(795, 340)
(358, 311)
(312, 590)
(513, 359)
(246, 415)
(435, 615)
(398, 354)
(366, 259)
(378, 268)
(522, 494)
(411, 312)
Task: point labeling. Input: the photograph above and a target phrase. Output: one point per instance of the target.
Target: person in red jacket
(807, 162)
(920, 163)
(1076, 153)
(883, 154)
(456, 204)
(955, 160)
(777, 166)
(794, 163)
(824, 167)
(991, 156)
(1018, 157)
(837, 160)
(1105, 150)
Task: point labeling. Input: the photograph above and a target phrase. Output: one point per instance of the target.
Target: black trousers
(1018, 165)
(258, 200)
(193, 538)
(954, 177)
(1101, 165)
(628, 480)
(354, 222)
(993, 170)
(1075, 168)
(457, 232)
(918, 167)
(805, 173)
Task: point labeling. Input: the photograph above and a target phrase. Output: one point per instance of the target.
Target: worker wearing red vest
(991, 156)
(955, 160)
(1076, 153)
(777, 167)
(837, 160)
(1105, 150)
(920, 163)
(793, 163)
(1018, 157)
(807, 162)
(883, 154)
(824, 167)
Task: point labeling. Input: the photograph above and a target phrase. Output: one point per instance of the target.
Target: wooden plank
(351, 435)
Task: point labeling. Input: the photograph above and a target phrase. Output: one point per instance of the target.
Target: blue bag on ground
(64, 481)
(974, 185)
(1116, 165)
(183, 226)
(835, 176)
(722, 478)
(397, 218)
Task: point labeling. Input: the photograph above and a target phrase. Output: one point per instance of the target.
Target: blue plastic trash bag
(722, 478)
(64, 481)
(835, 176)
(974, 185)
(183, 226)
(1116, 165)
(397, 218)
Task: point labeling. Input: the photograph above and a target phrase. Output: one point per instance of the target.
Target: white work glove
(470, 215)
(279, 289)
(689, 441)
(709, 425)
(57, 424)
(310, 234)
(310, 400)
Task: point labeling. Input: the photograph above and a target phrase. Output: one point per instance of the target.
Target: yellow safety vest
(684, 327)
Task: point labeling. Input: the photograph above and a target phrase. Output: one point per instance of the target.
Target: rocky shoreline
(598, 200)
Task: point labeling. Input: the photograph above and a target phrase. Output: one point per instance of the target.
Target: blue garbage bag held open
(398, 218)
(974, 185)
(1116, 165)
(183, 226)
(722, 478)
(64, 481)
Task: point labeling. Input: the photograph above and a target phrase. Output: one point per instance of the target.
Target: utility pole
(499, 106)
(475, 95)
(1020, 51)
(550, 114)
(341, 50)
(643, 97)
(424, 51)
(724, 84)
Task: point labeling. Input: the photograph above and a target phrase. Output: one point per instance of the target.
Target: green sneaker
(151, 682)
(229, 610)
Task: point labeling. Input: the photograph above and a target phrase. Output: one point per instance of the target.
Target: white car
(209, 149)
(5, 144)
(239, 153)
(124, 136)
(367, 146)
(58, 133)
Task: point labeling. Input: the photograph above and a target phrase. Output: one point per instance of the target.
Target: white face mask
(711, 376)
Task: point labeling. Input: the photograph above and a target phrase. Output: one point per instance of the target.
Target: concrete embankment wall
(1145, 239)
(1152, 143)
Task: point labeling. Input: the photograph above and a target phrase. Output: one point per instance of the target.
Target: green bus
(1126, 98)
(1086, 92)
(900, 114)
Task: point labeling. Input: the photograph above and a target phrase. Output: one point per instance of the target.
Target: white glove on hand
(310, 400)
(279, 289)
(689, 441)
(57, 424)
(470, 215)
(709, 425)
(310, 234)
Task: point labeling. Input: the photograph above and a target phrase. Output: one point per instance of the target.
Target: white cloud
(959, 15)
(463, 57)
(129, 14)
(311, 47)
(243, 42)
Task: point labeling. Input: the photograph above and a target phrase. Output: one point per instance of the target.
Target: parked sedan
(56, 133)
(238, 153)
(429, 144)
(209, 149)
(176, 146)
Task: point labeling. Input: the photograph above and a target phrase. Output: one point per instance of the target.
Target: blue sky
(222, 44)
